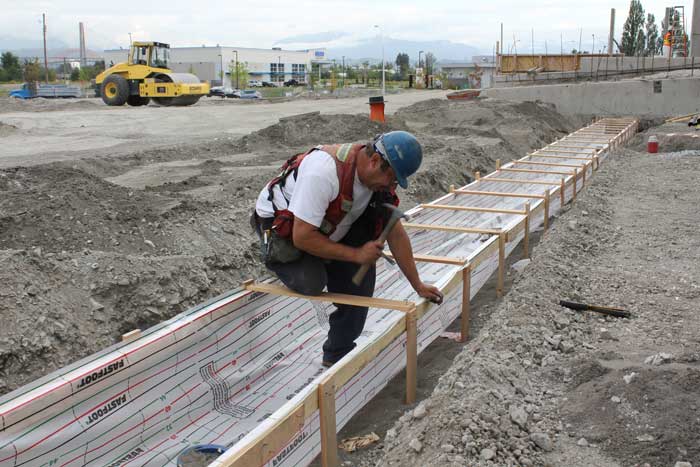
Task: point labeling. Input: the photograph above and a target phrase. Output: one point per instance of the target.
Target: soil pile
(97, 248)
(543, 385)
(40, 104)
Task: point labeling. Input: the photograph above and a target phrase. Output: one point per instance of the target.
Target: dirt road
(88, 128)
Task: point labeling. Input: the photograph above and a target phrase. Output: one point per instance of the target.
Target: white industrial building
(274, 65)
(479, 73)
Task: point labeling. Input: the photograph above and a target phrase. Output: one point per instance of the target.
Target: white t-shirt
(313, 190)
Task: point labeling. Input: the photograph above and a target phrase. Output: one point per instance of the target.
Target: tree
(430, 61)
(652, 46)
(633, 38)
(12, 70)
(402, 65)
(32, 70)
(239, 73)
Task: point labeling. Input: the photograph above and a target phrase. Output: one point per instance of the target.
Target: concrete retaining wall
(649, 98)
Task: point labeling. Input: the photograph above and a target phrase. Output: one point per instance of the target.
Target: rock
(95, 305)
(573, 224)
(461, 460)
(526, 462)
(487, 454)
(391, 433)
(566, 346)
(646, 438)
(416, 445)
(629, 377)
(518, 415)
(519, 266)
(683, 464)
(658, 359)
(585, 213)
(543, 441)
(149, 243)
(420, 411)
(615, 399)
(582, 442)
(447, 448)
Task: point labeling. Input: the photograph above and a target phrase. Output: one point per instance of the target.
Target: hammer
(396, 214)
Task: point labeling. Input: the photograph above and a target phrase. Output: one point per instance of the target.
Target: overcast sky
(292, 23)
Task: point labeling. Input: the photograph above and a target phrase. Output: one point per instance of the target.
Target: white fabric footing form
(243, 370)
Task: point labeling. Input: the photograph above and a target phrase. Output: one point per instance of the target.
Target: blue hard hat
(402, 151)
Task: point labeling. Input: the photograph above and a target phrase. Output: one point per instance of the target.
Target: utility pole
(612, 31)
(695, 33)
(343, 70)
(46, 58)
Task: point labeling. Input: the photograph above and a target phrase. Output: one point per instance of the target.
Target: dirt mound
(308, 130)
(6, 129)
(40, 104)
(542, 385)
(638, 421)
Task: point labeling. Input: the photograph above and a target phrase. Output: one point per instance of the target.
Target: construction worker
(668, 42)
(319, 219)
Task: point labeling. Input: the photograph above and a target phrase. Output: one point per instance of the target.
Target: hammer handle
(360, 274)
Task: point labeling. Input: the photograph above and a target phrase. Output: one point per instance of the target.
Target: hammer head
(396, 213)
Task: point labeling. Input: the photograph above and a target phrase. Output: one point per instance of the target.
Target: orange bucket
(376, 109)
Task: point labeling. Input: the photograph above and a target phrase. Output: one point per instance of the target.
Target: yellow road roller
(146, 76)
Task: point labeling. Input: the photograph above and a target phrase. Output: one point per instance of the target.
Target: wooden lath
(562, 151)
(534, 171)
(449, 228)
(496, 193)
(472, 208)
(547, 164)
(275, 289)
(576, 158)
(519, 180)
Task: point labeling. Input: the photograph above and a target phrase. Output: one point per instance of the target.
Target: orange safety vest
(667, 39)
(345, 156)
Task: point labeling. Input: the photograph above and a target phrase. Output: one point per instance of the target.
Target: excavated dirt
(97, 247)
(543, 385)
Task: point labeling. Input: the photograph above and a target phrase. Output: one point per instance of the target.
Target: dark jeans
(311, 274)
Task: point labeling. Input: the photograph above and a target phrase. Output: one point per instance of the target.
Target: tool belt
(274, 246)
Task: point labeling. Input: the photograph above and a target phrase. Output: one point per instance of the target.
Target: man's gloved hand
(430, 292)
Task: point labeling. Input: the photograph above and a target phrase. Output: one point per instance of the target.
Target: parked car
(250, 94)
(292, 82)
(267, 84)
(222, 91)
(254, 83)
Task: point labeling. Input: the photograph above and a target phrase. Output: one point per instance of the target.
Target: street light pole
(279, 67)
(221, 59)
(237, 84)
(381, 36)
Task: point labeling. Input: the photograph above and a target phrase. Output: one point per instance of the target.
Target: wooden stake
(597, 162)
(575, 176)
(526, 238)
(477, 175)
(466, 297)
(471, 208)
(452, 188)
(562, 195)
(131, 335)
(501, 263)
(498, 164)
(411, 356)
(326, 406)
(546, 208)
(583, 179)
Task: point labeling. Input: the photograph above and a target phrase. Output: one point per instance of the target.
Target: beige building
(272, 65)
